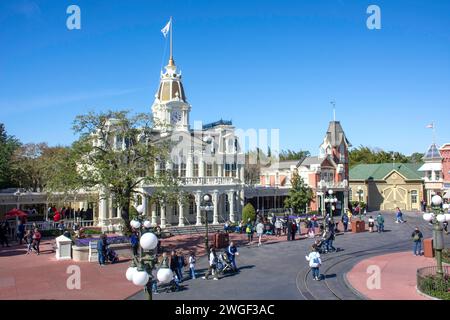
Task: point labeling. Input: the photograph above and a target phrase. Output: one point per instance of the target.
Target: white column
(145, 204)
(189, 166)
(154, 221)
(102, 210)
(220, 170)
(215, 200)
(198, 201)
(242, 202)
(231, 200)
(181, 214)
(242, 173)
(201, 167)
(163, 215)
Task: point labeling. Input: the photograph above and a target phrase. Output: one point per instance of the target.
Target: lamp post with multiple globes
(206, 206)
(332, 200)
(437, 218)
(140, 270)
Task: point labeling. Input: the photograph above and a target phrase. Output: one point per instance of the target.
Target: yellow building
(387, 186)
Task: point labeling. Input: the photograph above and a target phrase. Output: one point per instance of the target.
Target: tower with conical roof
(170, 108)
(432, 170)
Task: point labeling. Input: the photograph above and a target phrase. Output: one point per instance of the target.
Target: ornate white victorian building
(207, 160)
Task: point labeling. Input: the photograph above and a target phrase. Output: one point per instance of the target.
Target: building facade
(387, 186)
(207, 160)
(432, 172)
(445, 155)
(327, 171)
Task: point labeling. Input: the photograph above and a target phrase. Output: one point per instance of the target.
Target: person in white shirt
(314, 263)
(192, 261)
(259, 232)
(212, 269)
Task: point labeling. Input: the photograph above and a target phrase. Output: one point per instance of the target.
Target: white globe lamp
(330, 192)
(135, 224)
(427, 217)
(130, 272)
(140, 209)
(206, 198)
(147, 224)
(148, 241)
(440, 218)
(140, 278)
(436, 200)
(164, 275)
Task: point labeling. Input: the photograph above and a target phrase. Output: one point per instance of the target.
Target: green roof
(380, 171)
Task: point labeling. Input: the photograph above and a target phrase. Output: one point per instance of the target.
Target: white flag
(430, 126)
(166, 29)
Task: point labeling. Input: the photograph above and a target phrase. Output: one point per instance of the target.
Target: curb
(426, 296)
(356, 292)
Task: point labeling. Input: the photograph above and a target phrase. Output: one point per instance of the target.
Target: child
(314, 262)
(29, 240)
(371, 224)
(192, 261)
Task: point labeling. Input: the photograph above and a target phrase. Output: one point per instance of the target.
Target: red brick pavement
(398, 276)
(30, 277)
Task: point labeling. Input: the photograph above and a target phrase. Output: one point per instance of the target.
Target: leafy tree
(116, 153)
(8, 144)
(365, 155)
(248, 212)
(288, 155)
(416, 157)
(300, 195)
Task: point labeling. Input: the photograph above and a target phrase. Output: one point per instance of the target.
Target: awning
(431, 167)
(15, 213)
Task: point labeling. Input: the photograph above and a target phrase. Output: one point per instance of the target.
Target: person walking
(445, 225)
(289, 230)
(249, 230)
(134, 239)
(293, 230)
(371, 224)
(232, 252)
(310, 227)
(4, 230)
(380, 223)
(314, 263)
(399, 216)
(192, 261)
(29, 240)
(36, 241)
(20, 232)
(102, 245)
(259, 232)
(173, 264)
(181, 265)
(417, 237)
(329, 238)
(278, 227)
(212, 269)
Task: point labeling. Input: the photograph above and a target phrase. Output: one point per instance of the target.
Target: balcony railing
(333, 185)
(193, 181)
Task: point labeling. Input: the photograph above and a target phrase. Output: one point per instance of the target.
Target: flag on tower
(430, 126)
(166, 29)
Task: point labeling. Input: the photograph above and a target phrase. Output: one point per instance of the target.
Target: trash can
(358, 226)
(63, 248)
(221, 240)
(428, 250)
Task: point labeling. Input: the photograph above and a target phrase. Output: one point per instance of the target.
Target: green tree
(248, 212)
(365, 155)
(8, 145)
(300, 195)
(289, 155)
(116, 154)
(416, 157)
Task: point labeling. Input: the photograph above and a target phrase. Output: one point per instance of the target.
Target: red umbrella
(15, 213)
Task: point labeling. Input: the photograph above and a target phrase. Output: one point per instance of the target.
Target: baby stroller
(224, 263)
(111, 256)
(320, 245)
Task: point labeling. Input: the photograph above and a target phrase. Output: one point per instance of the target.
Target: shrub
(248, 212)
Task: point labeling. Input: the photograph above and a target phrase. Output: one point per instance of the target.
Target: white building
(207, 160)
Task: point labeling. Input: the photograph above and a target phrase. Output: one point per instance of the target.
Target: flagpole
(171, 44)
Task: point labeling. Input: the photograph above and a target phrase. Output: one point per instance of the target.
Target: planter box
(82, 253)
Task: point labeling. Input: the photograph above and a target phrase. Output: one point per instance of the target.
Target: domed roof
(432, 153)
(170, 87)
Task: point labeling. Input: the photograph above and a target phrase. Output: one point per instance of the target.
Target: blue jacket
(232, 251)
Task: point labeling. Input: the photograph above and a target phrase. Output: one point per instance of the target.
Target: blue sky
(263, 64)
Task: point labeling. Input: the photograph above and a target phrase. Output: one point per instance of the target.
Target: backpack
(316, 260)
(416, 237)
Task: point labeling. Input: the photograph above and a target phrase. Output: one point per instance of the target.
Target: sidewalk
(398, 276)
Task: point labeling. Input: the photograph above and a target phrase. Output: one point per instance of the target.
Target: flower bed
(110, 240)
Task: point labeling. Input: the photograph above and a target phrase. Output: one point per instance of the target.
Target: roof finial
(171, 61)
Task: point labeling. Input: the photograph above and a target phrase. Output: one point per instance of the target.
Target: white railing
(208, 180)
(332, 185)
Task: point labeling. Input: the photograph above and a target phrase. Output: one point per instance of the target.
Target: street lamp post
(332, 200)
(207, 206)
(437, 217)
(360, 193)
(140, 271)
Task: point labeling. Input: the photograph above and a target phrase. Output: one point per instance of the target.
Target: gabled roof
(380, 171)
(336, 135)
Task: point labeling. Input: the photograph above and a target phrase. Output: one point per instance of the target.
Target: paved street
(279, 271)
